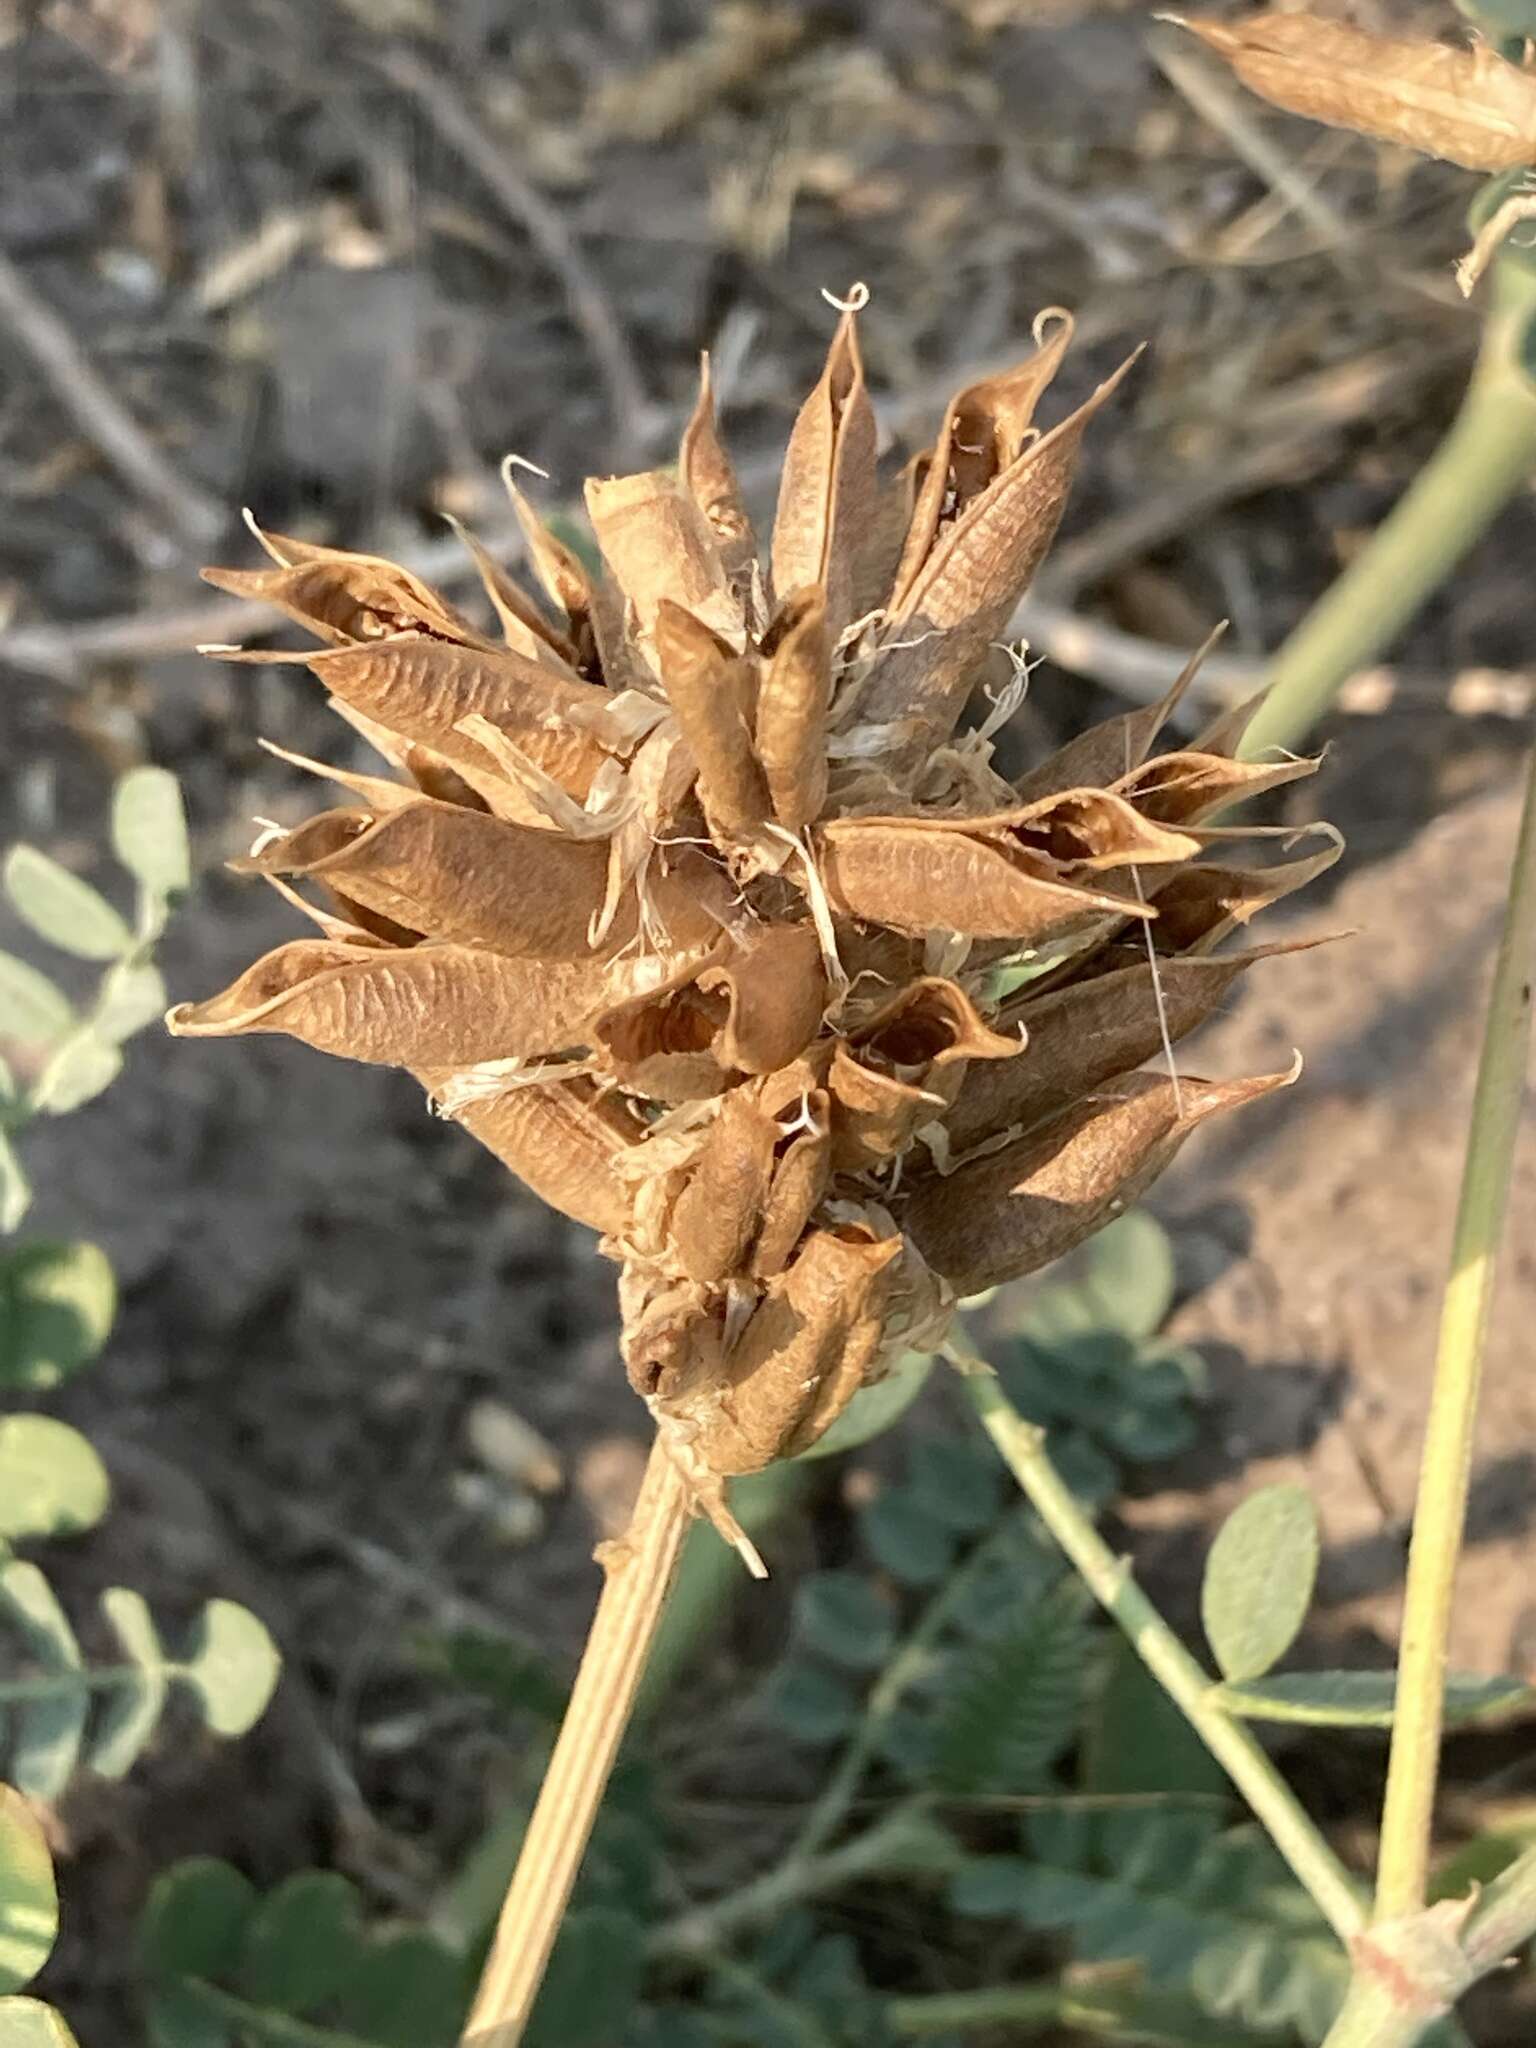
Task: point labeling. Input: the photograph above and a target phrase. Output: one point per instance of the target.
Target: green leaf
(593, 1981)
(1212, 1914)
(131, 997)
(302, 1943)
(57, 1304)
(131, 1711)
(79, 1070)
(62, 909)
(957, 1481)
(511, 1677)
(1011, 1705)
(15, 1188)
(1362, 1699)
(47, 1727)
(149, 831)
(195, 1919)
(232, 1664)
(841, 1615)
(29, 1900)
(906, 1539)
(32, 1010)
(1137, 1741)
(1130, 1274)
(812, 1704)
(873, 1409)
(407, 1992)
(51, 1481)
(28, 2023)
(179, 2016)
(1259, 1579)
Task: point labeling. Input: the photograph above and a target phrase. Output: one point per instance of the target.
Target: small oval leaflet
(28, 2023)
(62, 909)
(1259, 1579)
(51, 1481)
(149, 831)
(1363, 1699)
(32, 1010)
(57, 1304)
(29, 1903)
(233, 1664)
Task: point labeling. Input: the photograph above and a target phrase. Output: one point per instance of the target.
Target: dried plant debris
(693, 901)
(1467, 106)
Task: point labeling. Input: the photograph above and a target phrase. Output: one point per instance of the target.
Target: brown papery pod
(801, 1179)
(827, 489)
(1198, 905)
(560, 1137)
(1086, 1033)
(1014, 1211)
(558, 566)
(959, 600)
(792, 701)
(775, 992)
(344, 599)
(716, 1218)
(709, 477)
(523, 626)
(660, 548)
(453, 874)
(896, 872)
(423, 689)
(1105, 752)
(434, 1006)
(803, 1356)
(983, 432)
(709, 688)
(902, 1069)
(1183, 788)
(1468, 107)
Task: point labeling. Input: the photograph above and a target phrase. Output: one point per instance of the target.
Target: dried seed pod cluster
(693, 902)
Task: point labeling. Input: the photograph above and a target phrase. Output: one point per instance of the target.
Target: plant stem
(1022, 1448)
(1440, 1512)
(997, 2005)
(261, 2023)
(1485, 457)
(640, 1569)
(903, 1843)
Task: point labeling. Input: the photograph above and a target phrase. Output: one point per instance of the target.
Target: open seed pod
(695, 900)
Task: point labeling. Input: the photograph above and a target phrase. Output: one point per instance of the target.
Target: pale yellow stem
(640, 1568)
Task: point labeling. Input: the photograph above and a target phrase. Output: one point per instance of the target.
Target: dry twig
(633, 414)
(640, 1568)
(101, 415)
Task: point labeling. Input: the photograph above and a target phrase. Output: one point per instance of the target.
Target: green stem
(1440, 1512)
(889, 1690)
(1504, 1918)
(1484, 459)
(272, 2029)
(49, 1685)
(998, 2005)
(904, 1843)
(1022, 1448)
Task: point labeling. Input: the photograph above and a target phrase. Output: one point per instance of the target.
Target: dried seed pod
(689, 908)
(709, 477)
(827, 492)
(792, 703)
(458, 874)
(1018, 1209)
(1468, 107)
(803, 1356)
(562, 1138)
(1088, 1032)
